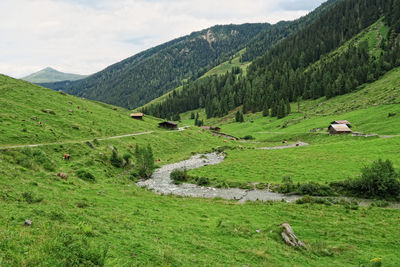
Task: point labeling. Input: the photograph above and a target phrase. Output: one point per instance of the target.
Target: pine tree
(192, 116)
(266, 111)
(288, 107)
(237, 116)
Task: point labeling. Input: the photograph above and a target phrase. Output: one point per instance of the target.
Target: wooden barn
(168, 125)
(339, 129)
(137, 116)
(211, 128)
(342, 122)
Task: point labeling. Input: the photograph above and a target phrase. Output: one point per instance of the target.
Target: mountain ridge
(49, 74)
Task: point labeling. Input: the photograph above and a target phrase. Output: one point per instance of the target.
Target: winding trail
(180, 129)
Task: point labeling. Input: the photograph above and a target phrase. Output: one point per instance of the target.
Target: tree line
(299, 67)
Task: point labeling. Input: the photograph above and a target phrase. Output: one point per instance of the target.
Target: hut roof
(340, 127)
(137, 115)
(341, 122)
(169, 122)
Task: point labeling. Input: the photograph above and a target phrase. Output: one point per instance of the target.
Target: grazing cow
(130, 146)
(158, 160)
(39, 123)
(284, 142)
(225, 141)
(62, 175)
(66, 156)
(297, 144)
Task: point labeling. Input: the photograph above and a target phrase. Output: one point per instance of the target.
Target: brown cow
(62, 175)
(66, 156)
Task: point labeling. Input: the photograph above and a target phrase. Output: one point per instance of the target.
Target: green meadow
(97, 216)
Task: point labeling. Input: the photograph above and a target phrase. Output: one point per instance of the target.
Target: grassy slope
(328, 158)
(21, 101)
(112, 222)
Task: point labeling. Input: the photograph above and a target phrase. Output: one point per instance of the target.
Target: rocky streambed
(161, 183)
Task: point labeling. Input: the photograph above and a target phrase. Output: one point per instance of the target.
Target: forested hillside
(303, 66)
(271, 36)
(147, 75)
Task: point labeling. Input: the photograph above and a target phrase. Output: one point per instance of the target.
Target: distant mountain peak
(49, 74)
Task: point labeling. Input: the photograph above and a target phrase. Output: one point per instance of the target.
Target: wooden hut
(339, 129)
(211, 128)
(168, 125)
(137, 116)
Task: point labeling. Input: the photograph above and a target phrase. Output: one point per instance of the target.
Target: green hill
(106, 220)
(49, 75)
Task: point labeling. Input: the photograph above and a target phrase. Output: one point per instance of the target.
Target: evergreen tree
(288, 107)
(237, 116)
(192, 116)
(266, 111)
(281, 111)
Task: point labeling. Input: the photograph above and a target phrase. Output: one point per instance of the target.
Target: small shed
(215, 129)
(168, 125)
(339, 129)
(342, 122)
(211, 128)
(137, 116)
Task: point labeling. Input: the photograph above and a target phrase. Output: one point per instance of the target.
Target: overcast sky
(85, 36)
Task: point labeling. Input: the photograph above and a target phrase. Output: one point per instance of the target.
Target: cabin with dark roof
(339, 129)
(137, 116)
(211, 128)
(168, 125)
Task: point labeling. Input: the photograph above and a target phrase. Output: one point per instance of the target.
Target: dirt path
(298, 144)
(84, 141)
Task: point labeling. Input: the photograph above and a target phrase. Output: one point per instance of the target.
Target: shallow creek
(161, 183)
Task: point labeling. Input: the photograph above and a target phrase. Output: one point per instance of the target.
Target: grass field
(112, 222)
(108, 221)
(62, 117)
(319, 162)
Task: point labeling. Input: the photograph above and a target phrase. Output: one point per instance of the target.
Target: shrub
(85, 175)
(202, 181)
(179, 176)
(315, 189)
(287, 185)
(30, 198)
(248, 137)
(144, 161)
(379, 180)
(115, 159)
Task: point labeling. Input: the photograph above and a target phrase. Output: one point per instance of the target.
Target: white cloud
(85, 36)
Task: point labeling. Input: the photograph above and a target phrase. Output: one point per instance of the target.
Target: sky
(85, 36)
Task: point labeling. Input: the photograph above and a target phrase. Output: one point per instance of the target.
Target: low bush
(178, 176)
(248, 137)
(115, 159)
(379, 180)
(202, 181)
(31, 198)
(315, 189)
(287, 185)
(85, 175)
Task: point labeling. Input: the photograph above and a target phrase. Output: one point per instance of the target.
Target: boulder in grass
(28, 223)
